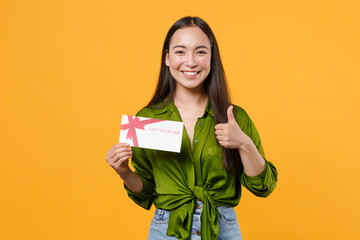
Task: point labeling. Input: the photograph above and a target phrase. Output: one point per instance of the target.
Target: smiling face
(189, 57)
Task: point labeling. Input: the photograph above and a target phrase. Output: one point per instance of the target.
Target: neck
(186, 97)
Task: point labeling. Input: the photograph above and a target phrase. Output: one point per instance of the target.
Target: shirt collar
(208, 109)
(163, 107)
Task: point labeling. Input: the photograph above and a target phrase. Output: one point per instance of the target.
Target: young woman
(194, 191)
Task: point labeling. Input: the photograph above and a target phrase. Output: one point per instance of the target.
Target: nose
(190, 61)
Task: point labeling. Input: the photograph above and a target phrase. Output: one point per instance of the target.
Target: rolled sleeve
(262, 184)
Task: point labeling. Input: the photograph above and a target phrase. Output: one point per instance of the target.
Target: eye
(179, 52)
(201, 52)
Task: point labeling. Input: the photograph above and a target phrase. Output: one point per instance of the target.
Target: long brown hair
(215, 84)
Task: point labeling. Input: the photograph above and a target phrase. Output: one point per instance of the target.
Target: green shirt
(173, 181)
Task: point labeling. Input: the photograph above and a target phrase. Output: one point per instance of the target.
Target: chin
(191, 85)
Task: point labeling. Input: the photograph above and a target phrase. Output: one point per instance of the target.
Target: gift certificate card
(151, 133)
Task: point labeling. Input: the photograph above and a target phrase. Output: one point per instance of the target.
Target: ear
(167, 58)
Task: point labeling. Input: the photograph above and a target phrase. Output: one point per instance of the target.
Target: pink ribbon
(136, 123)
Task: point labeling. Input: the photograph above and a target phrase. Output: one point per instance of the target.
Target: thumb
(230, 114)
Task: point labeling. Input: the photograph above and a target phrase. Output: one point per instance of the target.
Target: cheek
(205, 63)
(174, 62)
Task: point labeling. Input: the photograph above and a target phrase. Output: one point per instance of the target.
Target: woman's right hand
(118, 158)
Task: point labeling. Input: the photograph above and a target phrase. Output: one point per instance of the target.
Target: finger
(121, 144)
(115, 151)
(223, 138)
(122, 154)
(116, 157)
(230, 114)
(222, 143)
(116, 146)
(220, 126)
(122, 149)
(225, 144)
(223, 131)
(220, 138)
(220, 132)
(119, 161)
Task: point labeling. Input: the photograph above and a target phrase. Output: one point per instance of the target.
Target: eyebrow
(182, 46)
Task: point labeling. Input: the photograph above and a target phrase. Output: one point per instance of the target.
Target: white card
(151, 133)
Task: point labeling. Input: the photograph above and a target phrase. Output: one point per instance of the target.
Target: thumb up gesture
(229, 134)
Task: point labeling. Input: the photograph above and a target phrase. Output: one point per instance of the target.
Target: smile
(191, 73)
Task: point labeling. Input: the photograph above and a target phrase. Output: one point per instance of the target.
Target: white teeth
(190, 73)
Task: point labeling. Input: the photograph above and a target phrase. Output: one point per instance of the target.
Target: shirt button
(198, 206)
(197, 233)
(196, 140)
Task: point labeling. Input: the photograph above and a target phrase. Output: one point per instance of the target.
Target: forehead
(189, 37)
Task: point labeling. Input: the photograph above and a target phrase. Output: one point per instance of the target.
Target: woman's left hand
(229, 134)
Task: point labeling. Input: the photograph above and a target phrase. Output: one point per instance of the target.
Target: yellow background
(69, 69)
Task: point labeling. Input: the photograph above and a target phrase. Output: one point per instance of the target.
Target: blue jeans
(229, 228)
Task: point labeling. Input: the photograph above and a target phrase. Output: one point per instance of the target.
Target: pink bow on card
(136, 123)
